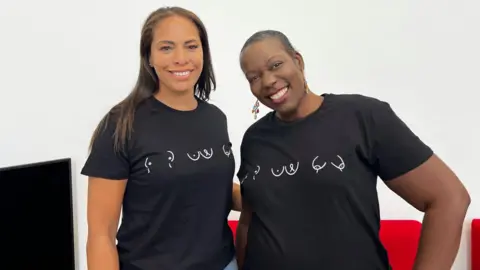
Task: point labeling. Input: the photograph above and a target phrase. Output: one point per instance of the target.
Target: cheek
(161, 63)
(163, 76)
(256, 89)
(157, 58)
(197, 59)
(298, 82)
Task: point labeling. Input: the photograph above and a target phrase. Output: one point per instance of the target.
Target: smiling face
(275, 75)
(176, 54)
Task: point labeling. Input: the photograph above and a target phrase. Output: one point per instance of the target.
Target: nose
(180, 57)
(268, 80)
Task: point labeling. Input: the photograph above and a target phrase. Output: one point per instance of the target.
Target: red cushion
(475, 244)
(399, 237)
(233, 225)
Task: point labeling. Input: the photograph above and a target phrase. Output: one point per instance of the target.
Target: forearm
(440, 238)
(241, 244)
(102, 254)
(236, 198)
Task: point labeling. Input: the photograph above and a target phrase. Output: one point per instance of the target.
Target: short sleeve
(103, 161)
(245, 166)
(396, 149)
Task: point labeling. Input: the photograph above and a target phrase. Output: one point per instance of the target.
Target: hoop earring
(255, 109)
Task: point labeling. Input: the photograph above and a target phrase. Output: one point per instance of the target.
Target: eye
(193, 47)
(252, 79)
(165, 48)
(276, 65)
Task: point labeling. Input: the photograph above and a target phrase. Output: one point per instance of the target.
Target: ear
(297, 57)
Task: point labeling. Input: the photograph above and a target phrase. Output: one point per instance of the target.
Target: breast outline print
(194, 158)
(204, 153)
(278, 173)
(341, 166)
(226, 152)
(207, 155)
(171, 158)
(317, 167)
(290, 172)
(256, 172)
(244, 178)
(148, 163)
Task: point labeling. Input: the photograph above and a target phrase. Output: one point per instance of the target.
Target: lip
(185, 70)
(276, 91)
(280, 101)
(181, 77)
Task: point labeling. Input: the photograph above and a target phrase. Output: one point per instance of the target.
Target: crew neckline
(320, 110)
(159, 105)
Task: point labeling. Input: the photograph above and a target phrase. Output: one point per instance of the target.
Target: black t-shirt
(180, 170)
(312, 184)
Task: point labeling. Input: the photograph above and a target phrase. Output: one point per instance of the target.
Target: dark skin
(274, 69)
(236, 198)
(432, 187)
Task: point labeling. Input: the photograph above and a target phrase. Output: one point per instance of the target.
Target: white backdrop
(63, 64)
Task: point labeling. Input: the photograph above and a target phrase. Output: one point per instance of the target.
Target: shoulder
(357, 106)
(356, 102)
(110, 120)
(360, 110)
(213, 110)
(118, 114)
(144, 108)
(259, 127)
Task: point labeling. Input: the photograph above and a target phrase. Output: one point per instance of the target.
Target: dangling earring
(306, 86)
(255, 109)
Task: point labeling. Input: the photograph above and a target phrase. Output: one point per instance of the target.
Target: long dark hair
(147, 83)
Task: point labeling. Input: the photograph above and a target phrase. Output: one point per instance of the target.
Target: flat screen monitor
(36, 216)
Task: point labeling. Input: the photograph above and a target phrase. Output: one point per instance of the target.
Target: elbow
(103, 233)
(461, 200)
(456, 203)
(95, 238)
(465, 200)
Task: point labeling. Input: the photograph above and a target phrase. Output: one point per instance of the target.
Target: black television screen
(36, 216)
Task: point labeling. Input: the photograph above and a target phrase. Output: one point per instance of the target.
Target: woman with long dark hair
(163, 156)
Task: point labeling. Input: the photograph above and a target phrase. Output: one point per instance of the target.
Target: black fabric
(312, 184)
(178, 196)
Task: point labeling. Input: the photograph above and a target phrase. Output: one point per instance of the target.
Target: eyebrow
(173, 43)
(266, 62)
(272, 57)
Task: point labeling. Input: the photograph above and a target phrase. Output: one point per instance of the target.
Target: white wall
(64, 63)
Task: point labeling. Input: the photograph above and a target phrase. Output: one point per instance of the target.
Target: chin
(182, 88)
(286, 110)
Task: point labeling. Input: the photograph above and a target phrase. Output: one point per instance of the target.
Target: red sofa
(399, 237)
(475, 244)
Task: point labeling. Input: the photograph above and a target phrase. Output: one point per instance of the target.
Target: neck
(184, 101)
(308, 105)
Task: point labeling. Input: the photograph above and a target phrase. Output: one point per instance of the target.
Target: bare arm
(237, 198)
(434, 189)
(241, 236)
(103, 213)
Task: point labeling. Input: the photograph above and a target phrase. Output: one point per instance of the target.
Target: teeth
(279, 94)
(184, 73)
